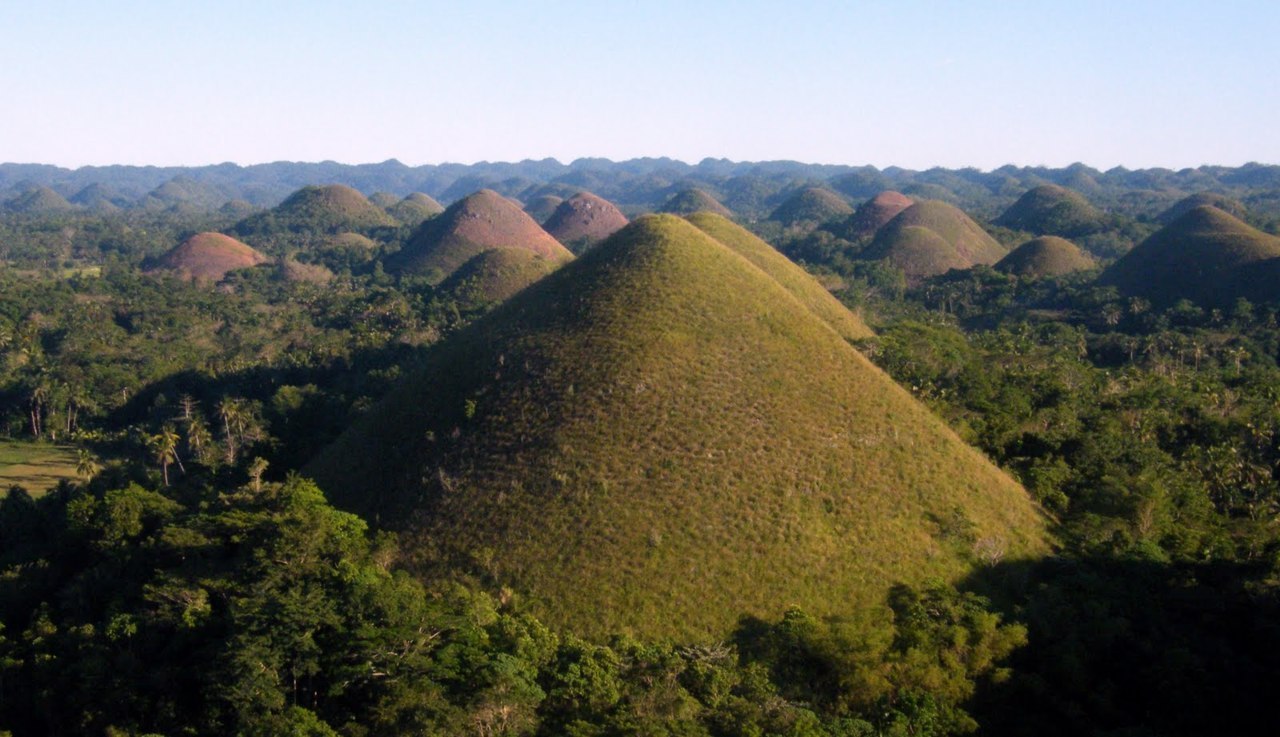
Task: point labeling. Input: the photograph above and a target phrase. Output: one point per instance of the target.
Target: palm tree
(164, 448)
(86, 465)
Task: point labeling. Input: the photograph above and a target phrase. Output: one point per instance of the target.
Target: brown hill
(659, 438)
(470, 226)
(872, 215)
(584, 220)
(930, 238)
(1206, 256)
(689, 201)
(208, 257)
(1045, 256)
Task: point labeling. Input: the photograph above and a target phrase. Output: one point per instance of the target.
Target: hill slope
(932, 237)
(1052, 210)
(790, 276)
(811, 206)
(1045, 256)
(584, 220)
(689, 201)
(415, 208)
(470, 226)
(208, 257)
(1204, 256)
(1232, 207)
(495, 275)
(542, 206)
(39, 201)
(659, 438)
(333, 208)
(873, 215)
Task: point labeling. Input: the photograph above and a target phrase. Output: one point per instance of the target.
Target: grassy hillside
(931, 238)
(333, 208)
(495, 275)
(208, 257)
(415, 208)
(873, 215)
(470, 226)
(1232, 207)
(1052, 210)
(1045, 256)
(793, 278)
(540, 207)
(39, 201)
(584, 220)
(659, 438)
(1204, 256)
(811, 206)
(689, 201)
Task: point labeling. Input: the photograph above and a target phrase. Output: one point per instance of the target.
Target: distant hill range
(751, 190)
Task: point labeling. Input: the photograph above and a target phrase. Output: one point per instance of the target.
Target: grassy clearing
(36, 467)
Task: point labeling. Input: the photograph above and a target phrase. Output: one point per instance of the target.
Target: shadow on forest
(1135, 647)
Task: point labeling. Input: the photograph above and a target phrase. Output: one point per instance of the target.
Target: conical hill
(932, 237)
(659, 438)
(333, 208)
(792, 278)
(415, 208)
(1232, 207)
(689, 201)
(873, 215)
(1052, 210)
(208, 257)
(494, 275)
(39, 201)
(541, 207)
(470, 226)
(1045, 256)
(584, 220)
(1206, 256)
(811, 206)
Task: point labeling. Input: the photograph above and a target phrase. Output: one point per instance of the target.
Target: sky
(907, 83)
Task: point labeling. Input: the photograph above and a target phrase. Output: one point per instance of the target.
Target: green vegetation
(689, 201)
(39, 201)
(1052, 210)
(311, 213)
(931, 238)
(811, 207)
(541, 207)
(1045, 256)
(762, 460)
(37, 467)
(1232, 207)
(493, 276)
(415, 209)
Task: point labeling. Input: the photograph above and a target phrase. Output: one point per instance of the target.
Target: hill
(495, 275)
(208, 257)
(584, 220)
(383, 199)
(295, 271)
(542, 206)
(689, 201)
(659, 438)
(333, 208)
(790, 276)
(1045, 256)
(811, 206)
(1052, 210)
(414, 209)
(1232, 207)
(99, 198)
(931, 238)
(39, 201)
(1204, 256)
(872, 215)
(184, 193)
(474, 224)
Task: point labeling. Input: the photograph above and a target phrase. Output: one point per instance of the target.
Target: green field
(36, 467)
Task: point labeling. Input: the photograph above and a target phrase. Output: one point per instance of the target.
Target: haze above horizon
(913, 84)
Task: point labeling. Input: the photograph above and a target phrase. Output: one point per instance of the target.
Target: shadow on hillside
(1133, 647)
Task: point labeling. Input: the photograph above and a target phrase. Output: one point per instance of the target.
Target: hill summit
(932, 237)
(659, 438)
(811, 207)
(584, 220)
(208, 257)
(474, 224)
(873, 215)
(1206, 256)
(415, 208)
(333, 208)
(689, 201)
(1052, 210)
(1045, 256)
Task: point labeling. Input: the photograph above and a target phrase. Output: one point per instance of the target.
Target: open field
(36, 467)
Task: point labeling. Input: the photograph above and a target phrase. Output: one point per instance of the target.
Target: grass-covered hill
(470, 226)
(659, 438)
(811, 206)
(1206, 256)
(541, 206)
(930, 238)
(207, 257)
(1052, 210)
(495, 275)
(1231, 206)
(415, 208)
(99, 198)
(38, 201)
(792, 278)
(873, 215)
(1045, 256)
(691, 200)
(584, 220)
(383, 199)
(333, 208)
(185, 194)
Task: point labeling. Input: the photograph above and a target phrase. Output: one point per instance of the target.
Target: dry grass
(932, 237)
(36, 467)
(659, 438)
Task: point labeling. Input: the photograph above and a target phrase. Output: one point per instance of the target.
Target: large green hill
(932, 237)
(691, 200)
(811, 206)
(313, 211)
(660, 438)
(470, 226)
(1052, 210)
(1206, 256)
(1045, 256)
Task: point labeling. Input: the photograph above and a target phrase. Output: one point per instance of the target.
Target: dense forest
(186, 576)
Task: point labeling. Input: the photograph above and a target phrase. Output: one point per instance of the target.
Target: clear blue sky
(908, 83)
